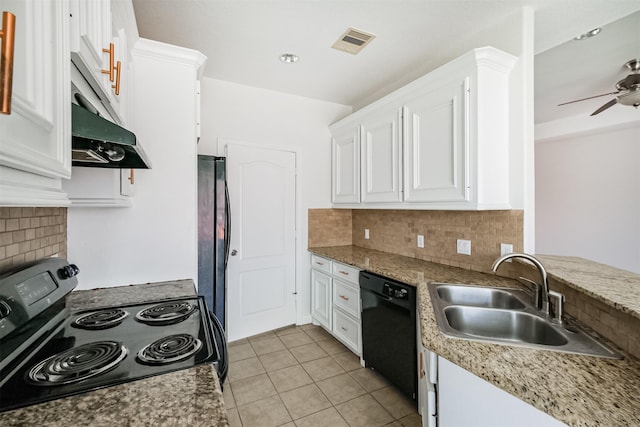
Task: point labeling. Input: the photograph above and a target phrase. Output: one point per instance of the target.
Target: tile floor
(302, 376)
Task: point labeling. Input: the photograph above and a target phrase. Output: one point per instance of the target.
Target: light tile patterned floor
(302, 376)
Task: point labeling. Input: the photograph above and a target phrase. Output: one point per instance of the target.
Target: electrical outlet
(505, 248)
(420, 241)
(464, 247)
(366, 234)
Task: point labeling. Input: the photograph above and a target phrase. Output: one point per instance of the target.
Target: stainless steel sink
(504, 316)
(480, 296)
(507, 325)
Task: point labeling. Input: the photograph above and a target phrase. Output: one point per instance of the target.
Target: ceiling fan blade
(590, 97)
(609, 104)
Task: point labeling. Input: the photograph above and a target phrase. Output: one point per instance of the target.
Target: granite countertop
(617, 288)
(577, 390)
(189, 397)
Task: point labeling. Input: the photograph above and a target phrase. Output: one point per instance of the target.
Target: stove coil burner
(172, 348)
(102, 319)
(78, 363)
(166, 313)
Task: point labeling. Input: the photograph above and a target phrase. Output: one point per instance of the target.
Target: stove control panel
(27, 292)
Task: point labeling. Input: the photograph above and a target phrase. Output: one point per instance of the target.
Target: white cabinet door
(436, 145)
(348, 330)
(485, 405)
(346, 296)
(100, 55)
(381, 136)
(36, 136)
(321, 298)
(90, 35)
(345, 166)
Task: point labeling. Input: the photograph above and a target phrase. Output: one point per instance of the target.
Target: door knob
(234, 252)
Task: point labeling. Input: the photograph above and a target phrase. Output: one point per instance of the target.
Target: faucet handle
(559, 305)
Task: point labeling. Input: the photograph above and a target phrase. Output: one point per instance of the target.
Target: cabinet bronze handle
(343, 328)
(110, 51)
(7, 33)
(319, 263)
(117, 85)
(131, 176)
(344, 298)
(346, 273)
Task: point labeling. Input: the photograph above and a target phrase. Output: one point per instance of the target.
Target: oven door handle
(221, 343)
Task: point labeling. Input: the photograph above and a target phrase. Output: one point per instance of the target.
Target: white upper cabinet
(440, 142)
(436, 145)
(381, 154)
(35, 139)
(100, 52)
(345, 164)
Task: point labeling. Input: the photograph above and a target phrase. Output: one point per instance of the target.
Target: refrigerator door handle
(227, 231)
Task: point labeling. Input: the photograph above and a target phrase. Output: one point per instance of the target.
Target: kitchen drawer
(346, 272)
(320, 263)
(347, 297)
(347, 330)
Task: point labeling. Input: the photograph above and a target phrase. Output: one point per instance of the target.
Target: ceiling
(243, 41)
(579, 69)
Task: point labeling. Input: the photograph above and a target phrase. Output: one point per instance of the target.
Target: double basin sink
(504, 316)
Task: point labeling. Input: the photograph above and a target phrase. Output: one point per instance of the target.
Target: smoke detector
(353, 41)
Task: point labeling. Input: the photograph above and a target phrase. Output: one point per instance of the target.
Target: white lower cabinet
(347, 329)
(321, 298)
(467, 400)
(335, 300)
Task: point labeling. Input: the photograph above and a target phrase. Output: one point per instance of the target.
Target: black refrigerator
(214, 225)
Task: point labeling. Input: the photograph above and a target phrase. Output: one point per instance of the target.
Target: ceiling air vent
(353, 41)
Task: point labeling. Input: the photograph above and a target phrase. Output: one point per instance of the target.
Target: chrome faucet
(542, 291)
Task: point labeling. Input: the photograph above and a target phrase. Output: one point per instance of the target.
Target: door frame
(302, 293)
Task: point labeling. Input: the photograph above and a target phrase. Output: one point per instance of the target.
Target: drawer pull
(319, 263)
(343, 328)
(346, 273)
(344, 298)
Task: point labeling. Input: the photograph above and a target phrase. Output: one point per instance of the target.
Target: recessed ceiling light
(289, 58)
(588, 34)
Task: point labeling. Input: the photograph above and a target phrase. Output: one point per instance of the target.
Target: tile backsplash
(329, 227)
(29, 234)
(396, 231)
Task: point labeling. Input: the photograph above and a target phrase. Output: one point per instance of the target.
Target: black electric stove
(49, 352)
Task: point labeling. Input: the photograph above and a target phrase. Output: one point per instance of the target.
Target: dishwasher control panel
(395, 291)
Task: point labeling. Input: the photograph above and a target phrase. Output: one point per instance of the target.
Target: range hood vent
(97, 142)
(353, 41)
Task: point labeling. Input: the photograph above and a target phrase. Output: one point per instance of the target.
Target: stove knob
(68, 271)
(5, 309)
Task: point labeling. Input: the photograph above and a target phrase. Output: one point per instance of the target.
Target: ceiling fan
(628, 90)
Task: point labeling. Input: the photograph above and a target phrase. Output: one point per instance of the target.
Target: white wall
(156, 238)
(273, 119)
(588, 197)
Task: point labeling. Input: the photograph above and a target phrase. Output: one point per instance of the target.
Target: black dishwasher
(389, 331)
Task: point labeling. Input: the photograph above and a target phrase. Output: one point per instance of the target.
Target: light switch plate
(464, 247)
(366, 234)
(420, 241)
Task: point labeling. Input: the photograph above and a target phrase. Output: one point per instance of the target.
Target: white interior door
(261, 269)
